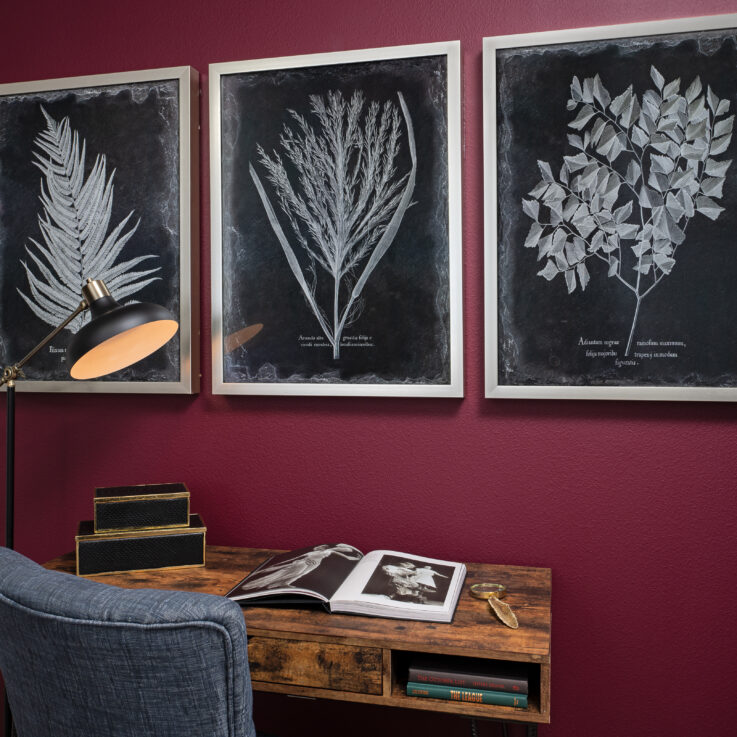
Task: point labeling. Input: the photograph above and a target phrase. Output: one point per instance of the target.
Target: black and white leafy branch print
(74, 223)
(342, 196)
(640, 169)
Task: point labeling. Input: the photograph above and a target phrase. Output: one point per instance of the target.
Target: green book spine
(466, 695)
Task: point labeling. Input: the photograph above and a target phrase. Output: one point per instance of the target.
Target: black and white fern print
(76, 241)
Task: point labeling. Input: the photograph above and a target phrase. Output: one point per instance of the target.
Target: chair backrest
(86, 659)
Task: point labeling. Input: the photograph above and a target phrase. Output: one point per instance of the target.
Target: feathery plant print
(74, 228)
(643, 168)
(343, 198)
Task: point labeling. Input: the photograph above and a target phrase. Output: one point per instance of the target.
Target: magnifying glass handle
(504, 612)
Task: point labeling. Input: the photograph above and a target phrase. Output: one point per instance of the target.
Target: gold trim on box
(138, 570)
(138, 532)
(141, 486)
(139, 498)
(127, 535)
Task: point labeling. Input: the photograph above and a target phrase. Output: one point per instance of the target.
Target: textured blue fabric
(84, 659)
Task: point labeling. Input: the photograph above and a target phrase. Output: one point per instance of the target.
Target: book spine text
(467, 695)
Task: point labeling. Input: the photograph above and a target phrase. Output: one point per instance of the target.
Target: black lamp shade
(118, 336)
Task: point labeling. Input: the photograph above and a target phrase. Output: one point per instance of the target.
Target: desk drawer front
(316, 664)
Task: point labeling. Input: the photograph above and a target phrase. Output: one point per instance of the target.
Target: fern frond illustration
(643, 168)
(74, 227)
(342, 197)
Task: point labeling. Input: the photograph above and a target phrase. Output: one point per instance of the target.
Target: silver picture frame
(644, 317)
(130, 145)
(277, 329)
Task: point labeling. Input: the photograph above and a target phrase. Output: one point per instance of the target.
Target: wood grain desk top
(473, 629)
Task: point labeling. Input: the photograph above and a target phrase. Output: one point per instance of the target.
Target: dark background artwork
(136, 127)
(684, 334)
(402, 334)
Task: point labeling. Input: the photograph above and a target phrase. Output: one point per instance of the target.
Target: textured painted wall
(632, 505)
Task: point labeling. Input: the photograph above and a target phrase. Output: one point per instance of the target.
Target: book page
(386, 581)
(317, 571)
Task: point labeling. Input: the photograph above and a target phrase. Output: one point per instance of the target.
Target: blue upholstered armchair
(85, 659)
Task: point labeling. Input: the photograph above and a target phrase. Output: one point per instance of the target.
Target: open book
(382, 583)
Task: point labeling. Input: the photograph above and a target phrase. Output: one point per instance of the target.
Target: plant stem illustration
(74, 225)
(641, 170)
(344, 200)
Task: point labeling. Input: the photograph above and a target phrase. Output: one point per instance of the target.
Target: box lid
(141, 491)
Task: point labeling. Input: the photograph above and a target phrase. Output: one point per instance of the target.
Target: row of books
(470, 681)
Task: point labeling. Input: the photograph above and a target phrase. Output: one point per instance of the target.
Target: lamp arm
(11, 373)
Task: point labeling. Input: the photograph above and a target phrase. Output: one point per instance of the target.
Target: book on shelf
(466, 695)
(473, 673)
(382, 583)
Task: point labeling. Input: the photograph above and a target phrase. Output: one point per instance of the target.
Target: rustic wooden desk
(307, 652)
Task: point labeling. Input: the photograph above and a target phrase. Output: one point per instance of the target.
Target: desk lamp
(116, 336)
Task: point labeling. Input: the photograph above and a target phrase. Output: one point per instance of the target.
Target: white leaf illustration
(546, 171)
(707, 206)
(712, 100)
(662, 164)
(693, 91)
(531, 208)
(534, 235)
(712, 186)
(720, 145)
(570, 280)
(583, 275)
(657, 77)
(348, 202)
(633, 172)
(600, 93)
(549, 271)
(640, 137)
(587, 112)
(723, 126)
(620, 103)
(664, 262)
(74, 225)
(717, 168)
(639, 171)
(671, 88)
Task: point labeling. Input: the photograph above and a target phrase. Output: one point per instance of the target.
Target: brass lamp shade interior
(118, 336)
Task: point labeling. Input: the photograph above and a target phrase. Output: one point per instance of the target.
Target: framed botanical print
(336, 234)
(610, 212)
(99, 179)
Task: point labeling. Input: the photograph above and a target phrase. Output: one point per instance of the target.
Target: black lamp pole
(9, 512)
(10, 468)
(8, 378)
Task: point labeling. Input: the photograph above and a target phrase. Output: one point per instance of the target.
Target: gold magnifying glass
(494, 593)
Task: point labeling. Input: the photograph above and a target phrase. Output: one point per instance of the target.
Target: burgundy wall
(631, 504)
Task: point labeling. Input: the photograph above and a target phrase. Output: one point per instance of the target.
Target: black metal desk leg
(8, 718)
(9, 511)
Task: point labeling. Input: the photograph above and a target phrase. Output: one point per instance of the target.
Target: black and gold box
(143, 507)
(113, 552)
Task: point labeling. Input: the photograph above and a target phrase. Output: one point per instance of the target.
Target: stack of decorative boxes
(139, 528)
